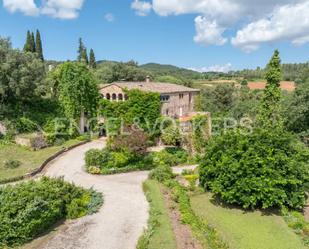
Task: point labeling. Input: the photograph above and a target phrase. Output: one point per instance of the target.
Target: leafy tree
(220, 99)
(21, 74)
(262, 170)
(269, 114)
(297, 112)
(92, 60)
(38, 48)
(76, 89)
(268, 168)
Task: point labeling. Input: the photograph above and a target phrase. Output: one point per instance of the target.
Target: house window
(166, 112)
(181, 96)
(108, 96)
(120, 96)
(165, 98)
(114, 96)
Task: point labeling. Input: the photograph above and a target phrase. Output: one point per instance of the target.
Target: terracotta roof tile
(158, 87)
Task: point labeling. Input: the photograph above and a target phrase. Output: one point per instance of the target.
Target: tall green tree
(92, 60)
(32, 43)
(82, 52)
(27, 46)
(85, 59)
(269, 113)
(21, 75)
(39, 48)
(76, 89)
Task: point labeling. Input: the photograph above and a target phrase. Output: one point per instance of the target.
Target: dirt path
(122, 217)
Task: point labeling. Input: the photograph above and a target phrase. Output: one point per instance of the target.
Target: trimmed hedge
(30, 208)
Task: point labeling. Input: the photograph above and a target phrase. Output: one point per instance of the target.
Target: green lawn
(160, 233)
(246, 230)
(30, 159)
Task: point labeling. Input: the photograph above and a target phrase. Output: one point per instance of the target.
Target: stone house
(177, 100)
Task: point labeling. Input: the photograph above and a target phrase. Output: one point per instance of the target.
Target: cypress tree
(269, 113)
(92, 60)
(27, 46)
(32, 43)
(38, 48)
(80, 50)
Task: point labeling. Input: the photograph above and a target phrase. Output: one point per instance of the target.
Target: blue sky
(157, 33)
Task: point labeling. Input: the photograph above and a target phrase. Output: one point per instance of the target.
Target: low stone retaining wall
(44, 164)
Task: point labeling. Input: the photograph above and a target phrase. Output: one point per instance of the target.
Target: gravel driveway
(123, 216)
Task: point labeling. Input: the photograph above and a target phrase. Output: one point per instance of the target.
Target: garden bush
(136, 142)
(95, 157)
(268, 168)
(171, 136)
(29, 208)
(25, 125)
(171, 156)
(161, 173)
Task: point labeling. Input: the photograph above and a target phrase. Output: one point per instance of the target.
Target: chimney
(147, 79)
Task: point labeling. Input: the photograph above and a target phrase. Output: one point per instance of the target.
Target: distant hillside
(163, 70)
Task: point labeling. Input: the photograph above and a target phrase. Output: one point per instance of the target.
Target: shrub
(119, 159)
(12, 164)
(171, 156)
(94, 157)
(94, 170)
(171, 136)
(262, 170)
(136, 142)
(29, 208)
(59, 129)
(25, 125)
(161, 173)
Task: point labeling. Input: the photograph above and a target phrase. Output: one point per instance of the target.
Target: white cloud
(288, 22)
(27, 7)
(109, 17)
(208, 32)
(215, 68)
(62, 9)
(141, 8)
(264, 20)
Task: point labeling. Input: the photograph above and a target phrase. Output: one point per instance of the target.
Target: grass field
(160, 233)
(246, 230)
(29, 159)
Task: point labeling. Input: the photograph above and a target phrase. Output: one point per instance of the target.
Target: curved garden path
(123, 216)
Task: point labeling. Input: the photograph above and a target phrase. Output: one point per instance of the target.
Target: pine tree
(269, 113)
(32, 43)
(92, 60)
(38, 48)
(27, 46)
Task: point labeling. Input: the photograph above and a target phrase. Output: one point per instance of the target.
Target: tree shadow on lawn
(217, 201)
